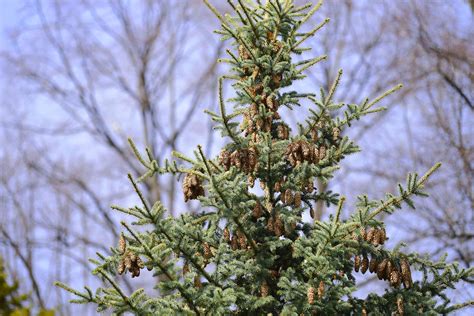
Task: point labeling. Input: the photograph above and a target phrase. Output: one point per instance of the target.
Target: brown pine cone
(297, 201)
(278, 227)
(363, 233)
(373, 264)
(197, 282)
(264, 289)
(224, 159)
(185, 268)
(395, 278)
(406, 273)
(234, 243)
(288, 196)
(121, 267)
(356, 263)
(257, 210)
(192, 187)
(226, 234)
(310, 295)
(364, 265)
(370, 235)
(381, 269)
(400, 307)
(321, 290)
(122, 244)
(388, 270)
(207, 253)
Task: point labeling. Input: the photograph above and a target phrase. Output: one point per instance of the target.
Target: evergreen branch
(137, 153)
(310, 33)
(385, 94)
(170, 277)
(140, 195)
(252, 25)
(459, 306)
(223, 113)
(310, 13)
(237, 11)
(116, 287)
(338, 210)
(89, 297)
(333, 88)
(397, 200)
(312, 62)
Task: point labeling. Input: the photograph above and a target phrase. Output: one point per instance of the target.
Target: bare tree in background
(94, 74)
(438, 62)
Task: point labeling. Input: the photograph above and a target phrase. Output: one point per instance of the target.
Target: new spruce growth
(251, 249)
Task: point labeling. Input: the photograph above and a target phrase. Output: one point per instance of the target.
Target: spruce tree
(251, 249)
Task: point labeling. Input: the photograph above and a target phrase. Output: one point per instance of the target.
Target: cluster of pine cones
(245, 159)
(300, 150)
(192, 187)
(385, 268)
(237, 240)
(252, 121)
(129, 261)
(311, 294)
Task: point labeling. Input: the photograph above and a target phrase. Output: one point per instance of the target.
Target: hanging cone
(321, 290)
(310, 295)
(356, 263)
(364, 264)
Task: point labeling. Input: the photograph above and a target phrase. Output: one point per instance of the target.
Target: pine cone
(192, 187)
(277, 187)
(400, 307)
(197, 282)
(381, 269)
(264, 289)
(224, 159)
(242, 240)
(406, 273)
(226, 234)
(309, 186)
(283, 131)
(314, 135)
(297, 201)
(278, 227)
(321, 290)
(257, 210)
(363, 233)
(388, 270)
(185, 268)
(251, 181)
(121, 267)
(270, 224)
(356, 263)
(207, 253)
(373, 264)
(234, 243)
(310, 295)
(383, 236)
(364, 265)
(335, 133)
(288, 196)
(122, 244)
(370, 235)
(395, 278)
(322, 152)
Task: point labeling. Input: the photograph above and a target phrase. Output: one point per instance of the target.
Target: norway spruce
(256, 246)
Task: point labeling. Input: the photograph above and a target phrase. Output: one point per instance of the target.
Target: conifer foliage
(251, 249)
